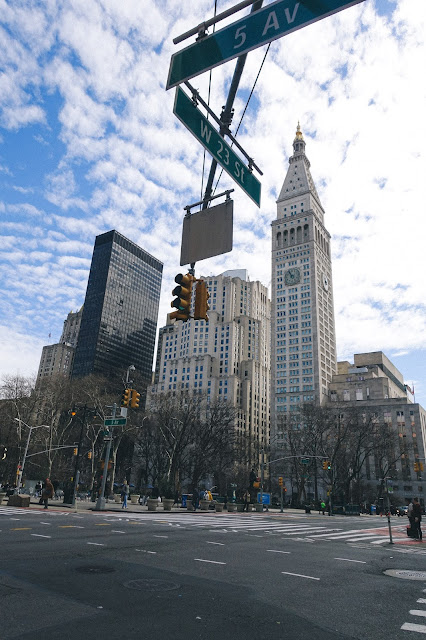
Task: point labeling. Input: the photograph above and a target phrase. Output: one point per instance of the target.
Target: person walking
(417, 519)
(125, 490)
(246, 497)
(47, 492)
(323, 507)
(410, 513)
(195, 498)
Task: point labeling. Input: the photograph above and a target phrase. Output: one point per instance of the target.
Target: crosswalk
(290, 530)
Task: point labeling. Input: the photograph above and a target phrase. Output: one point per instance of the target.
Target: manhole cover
(151, 585)
(97, 569)
(406, 574)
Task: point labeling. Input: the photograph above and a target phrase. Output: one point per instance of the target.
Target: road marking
(349, 560)
(276, 551)
(38, 535)
(408, 626)
(145, 551)
(48, 523)
(15, 519)
(418, 612)
(21, 529)
(299, 575)
(155, 536)
(222, 544)
(421, 601)
(102, 524)
(67, 526)
(210, 561)
(96, 544)
(115, 531)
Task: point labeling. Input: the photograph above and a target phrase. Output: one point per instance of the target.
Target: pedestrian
(47, 493)
(195, 498)
(410, 512)
(38, 489)
(246, 497)
(125, 490)
(323, 507)
(417, 519)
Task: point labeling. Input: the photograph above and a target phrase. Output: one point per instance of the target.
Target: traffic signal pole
(77, 458)
(100, 503)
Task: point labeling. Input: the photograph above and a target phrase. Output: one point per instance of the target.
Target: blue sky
(88, 142)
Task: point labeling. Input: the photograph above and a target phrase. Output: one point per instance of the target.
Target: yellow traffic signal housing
(201, 305)
(75, 451)
(416, 466)
(280, 481)
(89, 455)
(183, 300)
(326, 465)
(125, 398)
(135, 399)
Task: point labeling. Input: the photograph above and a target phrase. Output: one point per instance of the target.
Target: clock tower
(302, 314)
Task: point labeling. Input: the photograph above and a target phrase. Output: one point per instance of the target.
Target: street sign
(207, 233)
(115, 422)
(211, 140)
(256, 29)
(305, 461)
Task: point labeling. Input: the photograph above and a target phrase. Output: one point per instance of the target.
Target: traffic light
(326, 465)
(125, 398)
(416, 466)
(75, 451)
(201, 305)
(135, 399)
(421, 466)
(280, 481)
(183, 300)
(89, 455)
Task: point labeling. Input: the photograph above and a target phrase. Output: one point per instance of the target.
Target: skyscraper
(302, 327)
(119, 320)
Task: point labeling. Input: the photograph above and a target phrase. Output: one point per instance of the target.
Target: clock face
(325, 282)
(292, 276)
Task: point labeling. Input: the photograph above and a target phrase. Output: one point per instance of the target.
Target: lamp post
(21, 471)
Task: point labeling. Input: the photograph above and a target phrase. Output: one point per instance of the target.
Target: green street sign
(305, 461)
(211, 140)
(115, 422)
(258, 28)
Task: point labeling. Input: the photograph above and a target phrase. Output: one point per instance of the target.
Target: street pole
(77, 458)
(100, 504)
(21, 472)
(262, 474)
(388, 506)
(282, 508)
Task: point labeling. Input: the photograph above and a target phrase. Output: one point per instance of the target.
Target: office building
(120, 310)
(227, 358)
(57, 359)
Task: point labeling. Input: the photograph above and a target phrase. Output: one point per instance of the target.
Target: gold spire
(299, 135)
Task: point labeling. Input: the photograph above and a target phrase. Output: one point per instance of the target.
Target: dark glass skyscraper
(119, 321)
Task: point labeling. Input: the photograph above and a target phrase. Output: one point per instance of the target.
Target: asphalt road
(185, 576)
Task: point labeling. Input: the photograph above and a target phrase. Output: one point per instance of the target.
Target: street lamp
(26, 449)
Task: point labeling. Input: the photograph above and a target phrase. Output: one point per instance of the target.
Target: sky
(89, 142)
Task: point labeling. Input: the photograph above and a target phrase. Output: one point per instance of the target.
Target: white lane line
(96, 544)
(154, 536)
(276, 551)
(421, 601)
(48, 523)
(38, 535)
(349, 560)
(145, 551)
(16, 519)
(408, 626)
(299, 575)
(418, 612)
(210, 561)
(222, 544)
(115, 531)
